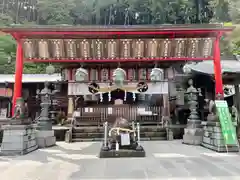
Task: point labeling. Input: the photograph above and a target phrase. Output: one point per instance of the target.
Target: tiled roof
(207, 67)
(31, 78)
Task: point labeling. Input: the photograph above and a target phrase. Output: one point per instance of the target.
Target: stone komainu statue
(20, 111)
(212, 116)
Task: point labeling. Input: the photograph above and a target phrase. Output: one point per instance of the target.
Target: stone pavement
(79, 161)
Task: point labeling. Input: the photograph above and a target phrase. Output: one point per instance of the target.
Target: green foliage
(53, 12)
(113, 12)
(7, 48)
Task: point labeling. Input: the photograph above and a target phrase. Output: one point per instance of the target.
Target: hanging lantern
(157, 74)
(50, 69)
(81, 74)
(187, 69)
(119, 76)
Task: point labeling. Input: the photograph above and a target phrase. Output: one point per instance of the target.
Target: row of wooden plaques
(116, 48)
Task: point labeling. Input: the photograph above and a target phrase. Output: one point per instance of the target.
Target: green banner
(228, 129)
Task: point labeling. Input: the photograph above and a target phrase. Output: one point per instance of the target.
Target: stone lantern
(193, 133)
(45, 134)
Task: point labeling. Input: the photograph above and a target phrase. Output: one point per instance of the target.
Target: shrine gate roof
(31, 78)
(121, 29)
(138, 43)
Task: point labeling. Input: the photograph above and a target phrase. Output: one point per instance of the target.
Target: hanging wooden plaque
(84, 49)
(151, 48)
(138, 48)
(98, 49)
(29, 48)
(193, 47)
(125, 48)
(57, 48)
(43, 49)
(207, 47)
(112, 48)
(179, 48)
(71, 48)
(165, 48)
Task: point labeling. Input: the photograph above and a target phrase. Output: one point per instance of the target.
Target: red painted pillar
(18, 74)
(217, 67)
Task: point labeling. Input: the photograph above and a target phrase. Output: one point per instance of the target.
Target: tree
(7, 53)
(234, 11)
(54, 12)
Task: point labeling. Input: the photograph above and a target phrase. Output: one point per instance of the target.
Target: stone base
(122, 153)
(214, 140)
(20, 121)
(221, 148)
(193, 136)
(45, 138)
(169, 135)
(18, 140)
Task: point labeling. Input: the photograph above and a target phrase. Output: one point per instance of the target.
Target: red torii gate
(215, 31)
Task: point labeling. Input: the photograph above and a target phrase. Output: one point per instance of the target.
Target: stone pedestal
(45, 138)
(18, 140)
(193, 136)
(213, 138)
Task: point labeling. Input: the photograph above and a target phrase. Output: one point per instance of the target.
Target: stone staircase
(84, 134)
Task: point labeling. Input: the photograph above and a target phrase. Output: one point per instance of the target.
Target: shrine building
(133, 68)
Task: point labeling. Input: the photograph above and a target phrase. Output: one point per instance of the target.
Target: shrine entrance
(142, 61)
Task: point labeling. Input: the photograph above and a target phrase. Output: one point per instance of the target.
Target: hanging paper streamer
(134, 96)
(109, 96)
(101, 97)
(125, 95)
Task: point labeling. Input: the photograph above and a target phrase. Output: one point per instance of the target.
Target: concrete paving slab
(165, 160)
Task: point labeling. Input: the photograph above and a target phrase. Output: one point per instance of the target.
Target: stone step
(86, 139)
(101, 139)
(153, 138)
(88, 129)
(81, 134)
(100, 135)
(100, 129)
(88, 135)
